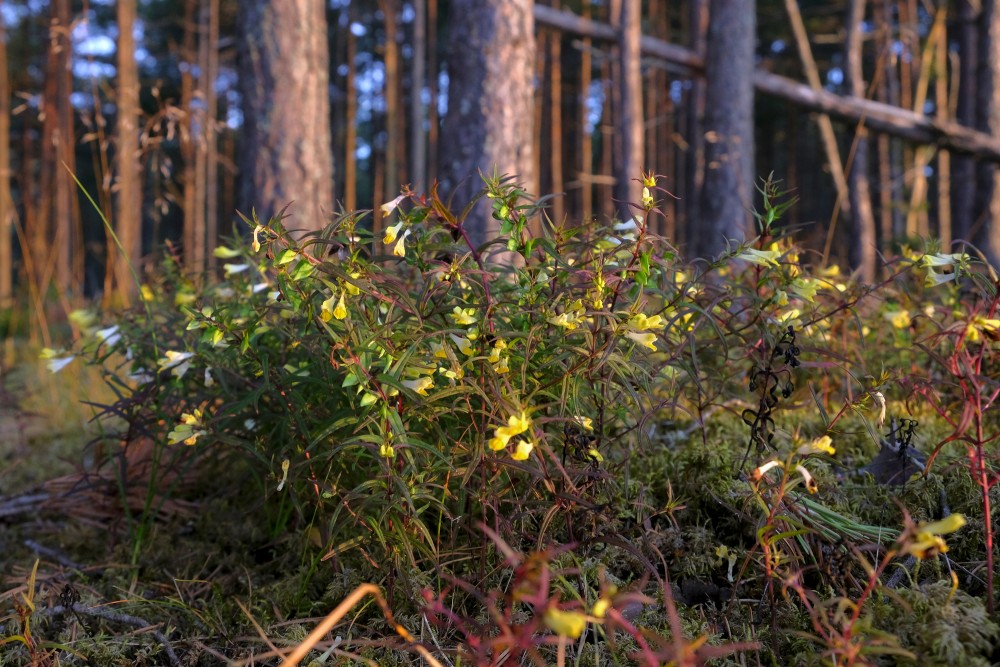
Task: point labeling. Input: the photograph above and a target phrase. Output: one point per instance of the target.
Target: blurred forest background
(882, 116)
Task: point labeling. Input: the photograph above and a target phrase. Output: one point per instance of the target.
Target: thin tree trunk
(433, 119)
(823, 122)
(189, 184)
(729, 147)
(862, 249)
(695, 125)
(964, 181)
(7, 211)
(944, 112)
(351, 136)
(128, 213)
(63, 223)
(418, 112)
(628, 162)
(556, 127)
(212, 137)
(586, 129)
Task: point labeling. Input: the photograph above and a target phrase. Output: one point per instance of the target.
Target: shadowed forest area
(496, 332)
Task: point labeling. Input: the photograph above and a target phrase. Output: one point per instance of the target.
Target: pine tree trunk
(128, 213)
(862, 250)
(629, 122)
(490, 67)
(729, 144)
(287, 152)
(987, 236)
(963, 188)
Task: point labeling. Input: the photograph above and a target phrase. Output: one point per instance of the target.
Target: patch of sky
(778, 46)
(364, 151)
(358, 30)
(676, 91)
(596, 95)
(835, 76)
(442, 100)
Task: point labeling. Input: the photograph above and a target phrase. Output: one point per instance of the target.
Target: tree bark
(189, 184)
(729, 142)
(987, 229)
(490, 68)
(629, 121)
(128, 213)
(862, 248)
(7, 212)
(287, 152)
(963, 169)
(418, 113)
(395, 142)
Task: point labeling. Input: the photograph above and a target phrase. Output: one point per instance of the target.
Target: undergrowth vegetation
(590, 453)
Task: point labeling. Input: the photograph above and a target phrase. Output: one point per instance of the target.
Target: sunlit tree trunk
(64, 251)
(729, 95)
(211, 140)
(586, 167)
(351, 112)
(418, 111)
(395, 142)
(287, 151)
(629, 120)
(862, 250)
(490, 67)
(128, 213)
(189, 184)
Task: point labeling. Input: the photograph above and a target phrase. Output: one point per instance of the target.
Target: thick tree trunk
(394, 132)
(862, 248)
(490, 68)
(287, 152)
(629, 122)
(128, 213)
(729, 143)
(987, 236)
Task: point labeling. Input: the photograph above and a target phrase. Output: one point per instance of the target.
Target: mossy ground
(227, 582)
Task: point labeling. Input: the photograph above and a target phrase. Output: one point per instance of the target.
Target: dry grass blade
(335, 616)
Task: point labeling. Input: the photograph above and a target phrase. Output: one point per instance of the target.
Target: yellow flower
(980, 324)
(177, 363)
(522, 450)
(600, 607)
(326, 309)
(351, 288)
(807, 479)
(188, 430)
(463, 316)
(420, 385)
(900, 319)
(146, 293)
(386, 450)
(439, 350)
(463, 344)
(569, 624)
(391, 233)
(788, 315)
(399, 250)
(223, 252)
(647, 199)
(256, 238)
(391, 206)
(760, 257)
(644, 339)
(821, 445)
(805, 288)
(340, 312)
(639, 322)
(781, 298)
(928, 541)
(586, 422)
